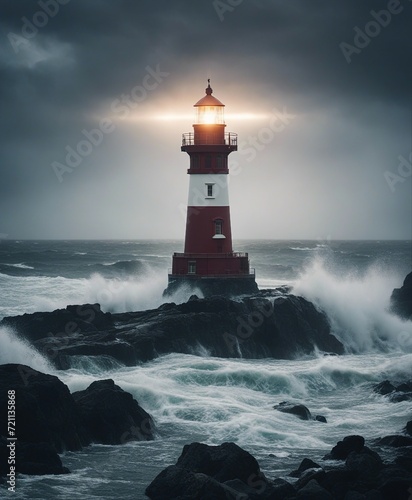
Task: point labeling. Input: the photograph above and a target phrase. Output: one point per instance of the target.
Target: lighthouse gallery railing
(188, 139)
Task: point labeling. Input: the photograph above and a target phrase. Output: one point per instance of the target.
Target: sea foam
(358, 306)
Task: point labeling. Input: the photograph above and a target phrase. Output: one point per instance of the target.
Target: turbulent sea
(201, 398)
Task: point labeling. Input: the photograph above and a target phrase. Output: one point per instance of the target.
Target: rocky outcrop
(269, 324)
(395, 393)
(30, 458)
(222, 472)
(46, 411)
(50, 420)
(401, 299)
(350, 471)
(111, 416)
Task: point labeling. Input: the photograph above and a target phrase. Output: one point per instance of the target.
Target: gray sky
(319, 92)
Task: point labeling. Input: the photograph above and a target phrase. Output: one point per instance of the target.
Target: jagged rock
(280, 327)
(299, 410)
(346, 446)
(111, 416)
(401, 299)
(45, 408)
(384, 388)
(306, 464)
(74, 320)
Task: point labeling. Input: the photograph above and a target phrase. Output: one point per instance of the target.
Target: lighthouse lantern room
(208, 261)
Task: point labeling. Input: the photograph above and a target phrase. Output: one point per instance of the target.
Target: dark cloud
(353, 118)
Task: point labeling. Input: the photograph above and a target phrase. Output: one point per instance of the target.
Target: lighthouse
(208, 261)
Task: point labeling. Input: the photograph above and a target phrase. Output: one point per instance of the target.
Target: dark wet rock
(408, 427)
(398, 397)
(50, 420)
(225, 469)
(321, 418)
(39, 459)
(30, 458)
(366, 462)
(346, 446)
(403, 458)
(401, 299)
(224, 462)
(262, 490)
(339, 481)
(177, 483)
(384, 388)
(396, 394)
(397, 441)
(396, 489)
(299, 410)
(111, 416)
(313, 490)
(306, 464)
(46, 411)
(309, 475)
(74, 320)
(281, 327)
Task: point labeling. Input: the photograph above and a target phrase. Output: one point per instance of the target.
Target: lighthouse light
(209, 115)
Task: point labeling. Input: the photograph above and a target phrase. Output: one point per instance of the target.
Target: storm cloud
(95, 95)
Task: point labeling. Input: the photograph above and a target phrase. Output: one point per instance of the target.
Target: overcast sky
(319, 92)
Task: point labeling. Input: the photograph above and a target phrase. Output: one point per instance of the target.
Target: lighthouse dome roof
(208, 99)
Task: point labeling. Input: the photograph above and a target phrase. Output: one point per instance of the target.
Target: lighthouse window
(191, 268)
(209, 189)
(219, 161)
(218, 226)
(208, 161)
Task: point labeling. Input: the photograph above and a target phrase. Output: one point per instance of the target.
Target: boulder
(384, 388)
(45, 409)
(224, 462)
(346, 446)
(366, 463)
(111, 416)
(226, 469)
(177, 483)
(313, 491)
(301, 411)
(408, 427)
(401, 299)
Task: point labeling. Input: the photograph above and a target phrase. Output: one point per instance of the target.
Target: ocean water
(212, 400)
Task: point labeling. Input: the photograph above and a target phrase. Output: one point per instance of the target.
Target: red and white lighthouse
(208, 261)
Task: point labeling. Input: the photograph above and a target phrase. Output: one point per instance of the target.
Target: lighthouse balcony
(210, 139)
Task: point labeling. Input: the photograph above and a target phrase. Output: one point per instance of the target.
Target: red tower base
(213, 274)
